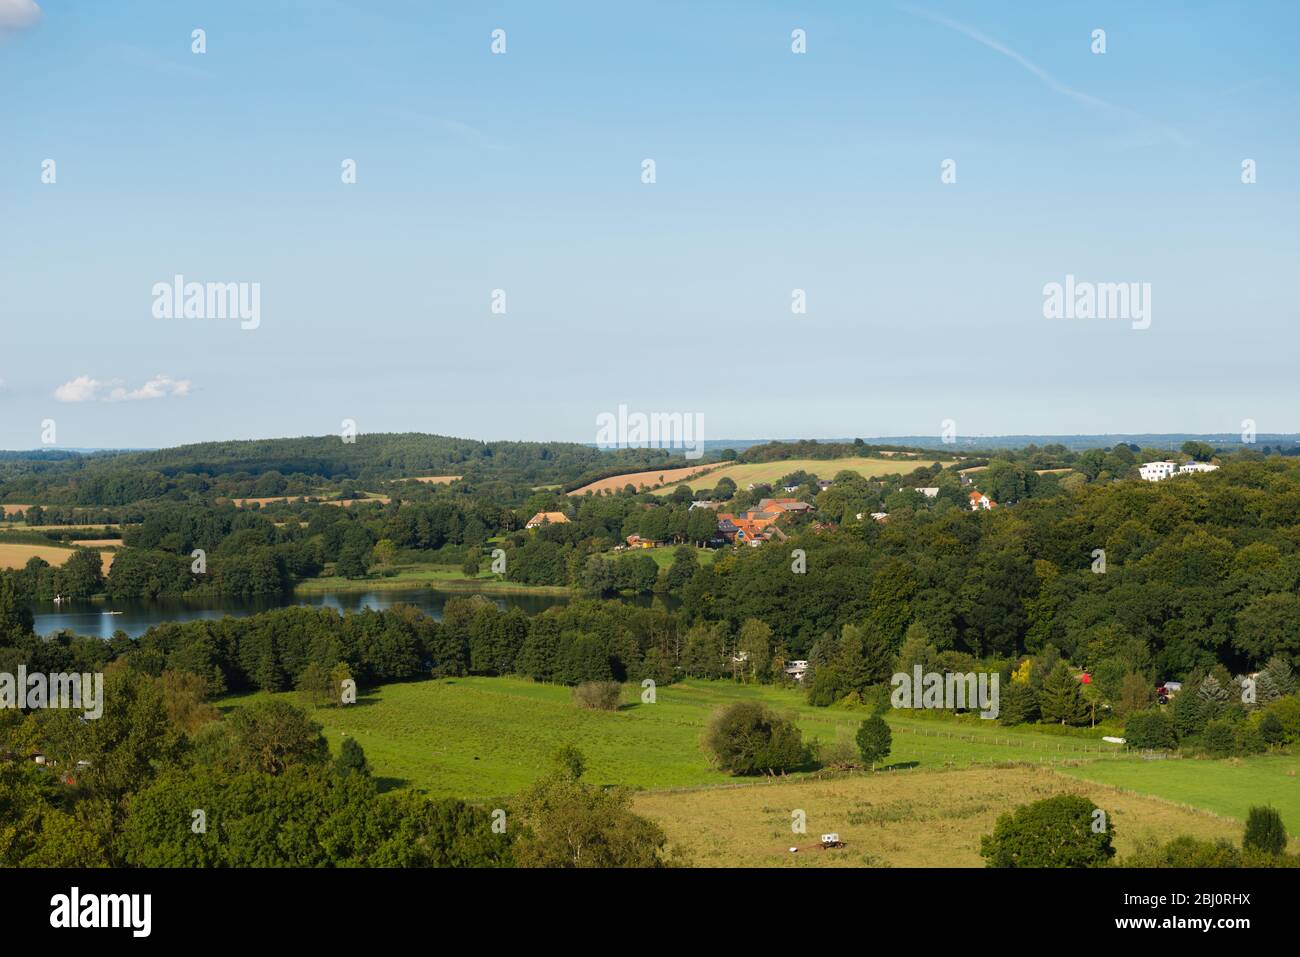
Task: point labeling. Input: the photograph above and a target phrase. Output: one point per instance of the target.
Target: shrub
(1150, 731)
(1271, 730)
(1055, 832)
(1287, 712)
(1264, 831)
(598, 695)
(839, 755)
(749, 738)
(1220, 738)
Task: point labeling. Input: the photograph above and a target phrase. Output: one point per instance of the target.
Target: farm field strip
(772, 472)
(926, 819)
(650, 477)
(16, 554)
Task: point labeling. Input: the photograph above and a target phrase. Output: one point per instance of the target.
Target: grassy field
(1230, 787)
(943, 785)
(15, 555)
(772, 472)
(663, 556)
(651, 477)
(911, 819)
(441, 577)
(489, 737)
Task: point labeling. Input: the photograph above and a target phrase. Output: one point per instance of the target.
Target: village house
(547, 518)
(1188, 468)
(978, 500)
(796, 669)
(783, 505)
(929, 491)
(636, 541)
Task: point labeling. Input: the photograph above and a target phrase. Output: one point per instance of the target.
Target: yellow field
(893, 819)
(14, 509)
(436, 479)
(772, 472)
(104, 526)
(100, 543)
(14, 555)
(342, 502)
(653, 478)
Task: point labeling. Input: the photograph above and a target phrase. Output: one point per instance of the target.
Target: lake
(102, 618)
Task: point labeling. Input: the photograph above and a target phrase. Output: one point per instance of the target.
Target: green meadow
(482, 738)
(486, 738)
(1229, 787)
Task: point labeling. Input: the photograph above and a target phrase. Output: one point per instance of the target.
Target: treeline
(812, 449)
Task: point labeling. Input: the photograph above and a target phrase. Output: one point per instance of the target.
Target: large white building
(1155, 471)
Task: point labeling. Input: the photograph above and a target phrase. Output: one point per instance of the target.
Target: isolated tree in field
(351, 759)
(1061, 831)
(874, 740)
(1264, 831)
(750, 738)
(1062, 700)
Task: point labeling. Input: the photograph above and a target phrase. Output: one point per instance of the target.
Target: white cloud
(85, 389)
(159, 387)
(81, 389)
(18, 14)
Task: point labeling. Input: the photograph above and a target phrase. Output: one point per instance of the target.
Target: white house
(1189, 467)
(1155, 471)
(796, 669)
(928, 492)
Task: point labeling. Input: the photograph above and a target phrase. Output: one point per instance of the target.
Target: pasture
(484, 738)
(1229, 787)
(893, 819)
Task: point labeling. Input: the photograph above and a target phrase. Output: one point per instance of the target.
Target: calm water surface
(102, 618)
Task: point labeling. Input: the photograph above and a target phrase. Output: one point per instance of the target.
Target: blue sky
(522, 172)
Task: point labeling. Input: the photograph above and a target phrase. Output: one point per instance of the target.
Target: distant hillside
(121, 477)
